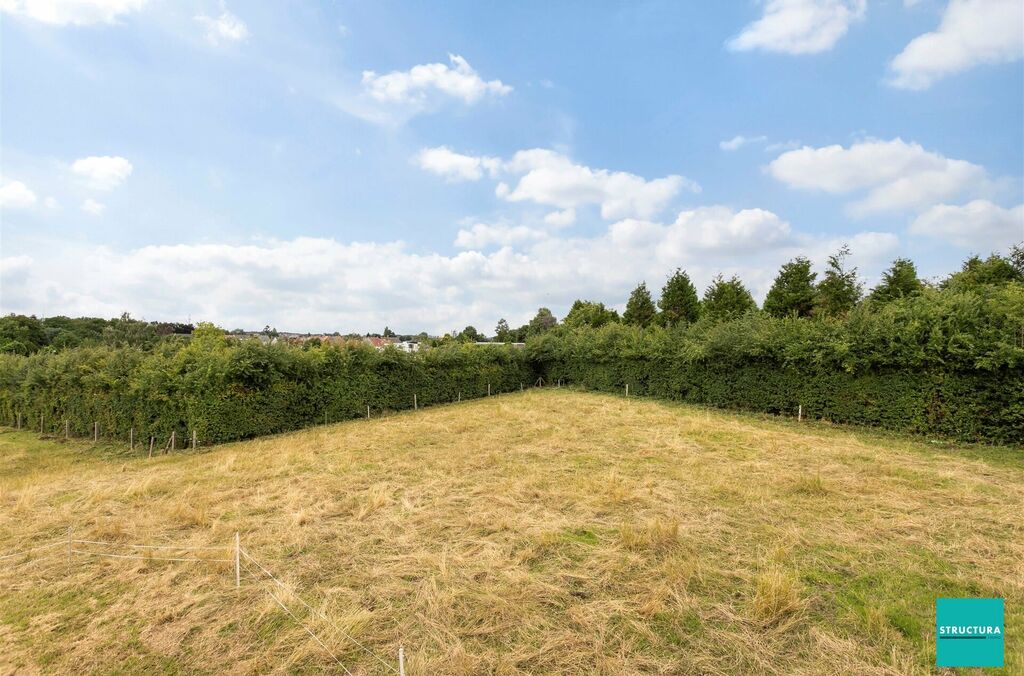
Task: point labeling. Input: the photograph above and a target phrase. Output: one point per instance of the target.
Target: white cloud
(455, 166)
(91, 206)
(550, 178)
(979, 225)
(74, 12)
(799, 26)
(971, 33)
(738, 141)
(415, 85)
(309, 284)
(896, 174)
(561, 219)
(103, 173)
(224, 28)
(16, 195)
(483, 235)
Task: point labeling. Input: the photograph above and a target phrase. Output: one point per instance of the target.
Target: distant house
(380, 343)
(481, 342)
(408, 346)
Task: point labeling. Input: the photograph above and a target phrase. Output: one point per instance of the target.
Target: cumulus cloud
(561, 219)
(455, 166)
(799, 26)
(103, 173)
(894, 174)
(73, 12)
(971, 33)
(309, 284)
(483, 235)
(738, 141)
(92, 207)
(16, 195)
(979, 225)
(416, 85)
(551, 179)
(224, 28)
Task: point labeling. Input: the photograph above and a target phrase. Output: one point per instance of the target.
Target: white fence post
(193, 440)
(488, 389)
(131, 439)
(627, 389)
(238, 562)
(415, 404)
(401, 660)
(95, 431)
(67, 430)
(800, 412)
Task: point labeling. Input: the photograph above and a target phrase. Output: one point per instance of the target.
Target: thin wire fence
(241, 558)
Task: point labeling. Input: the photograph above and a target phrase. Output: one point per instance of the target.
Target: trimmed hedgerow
(944, 363)
(226, 390)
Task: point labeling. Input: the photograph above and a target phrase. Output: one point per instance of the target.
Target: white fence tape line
(147, 558)
(122, 544)
(317, 612)
(309, 631)
(33, 549)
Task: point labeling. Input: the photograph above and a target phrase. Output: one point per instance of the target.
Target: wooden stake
(401, 660)
(131, 439)
(488, 389)
(238, 562)
(367, 411)
(151, 440)
(40, 423)
(520, 387)
(193, 440)
(415, 404)
(800, 412)
(19, 421)
(460, 395)
(627, 389)
(173, 433)
(95, 431)
(67, 430)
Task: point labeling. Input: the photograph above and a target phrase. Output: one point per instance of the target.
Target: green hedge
(225, 390)
(946, 364)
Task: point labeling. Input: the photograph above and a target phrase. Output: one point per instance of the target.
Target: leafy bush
(227, 390)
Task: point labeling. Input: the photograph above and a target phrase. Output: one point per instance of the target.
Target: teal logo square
(969, 632)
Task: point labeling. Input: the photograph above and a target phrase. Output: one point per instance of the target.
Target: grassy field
(543, 532)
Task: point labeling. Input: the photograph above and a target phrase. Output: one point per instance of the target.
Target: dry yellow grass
(544, 532)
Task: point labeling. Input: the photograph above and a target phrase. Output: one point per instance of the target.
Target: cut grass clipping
(547, 531)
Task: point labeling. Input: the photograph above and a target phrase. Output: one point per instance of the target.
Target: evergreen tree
(640, 310)
(994, 270)
(727, 299)
(899, 281)
(793, 292)
(542, 321)
(388, 333)
(678, 300)
(839, 291)
(501, 332)
(590, 313)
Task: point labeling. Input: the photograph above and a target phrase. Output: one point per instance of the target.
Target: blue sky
(346, 165)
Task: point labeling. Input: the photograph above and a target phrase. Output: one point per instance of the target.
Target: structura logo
(969, 632)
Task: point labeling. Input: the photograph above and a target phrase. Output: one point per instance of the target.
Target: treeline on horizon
(941, 359)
